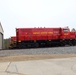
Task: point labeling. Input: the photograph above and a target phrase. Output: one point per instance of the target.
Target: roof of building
(1, 29)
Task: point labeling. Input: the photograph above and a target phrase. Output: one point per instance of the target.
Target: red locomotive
(42, 37)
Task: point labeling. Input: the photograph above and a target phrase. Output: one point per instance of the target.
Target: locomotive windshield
(65, 30)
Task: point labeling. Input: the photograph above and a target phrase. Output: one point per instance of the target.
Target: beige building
(1, 36)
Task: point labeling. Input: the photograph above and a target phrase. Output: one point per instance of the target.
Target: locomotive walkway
(58, 66)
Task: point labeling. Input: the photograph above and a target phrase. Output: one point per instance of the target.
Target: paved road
(65, 66)
(56, 50)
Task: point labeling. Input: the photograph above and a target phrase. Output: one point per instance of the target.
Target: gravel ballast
(53, 50)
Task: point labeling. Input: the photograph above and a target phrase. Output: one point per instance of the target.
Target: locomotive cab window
(65, 30)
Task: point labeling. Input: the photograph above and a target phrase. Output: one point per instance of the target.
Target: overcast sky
(36, 13)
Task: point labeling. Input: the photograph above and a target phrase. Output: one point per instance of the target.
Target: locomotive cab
(65, 33)
(67, 37)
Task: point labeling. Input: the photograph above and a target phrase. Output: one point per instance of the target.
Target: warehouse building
(1, 36)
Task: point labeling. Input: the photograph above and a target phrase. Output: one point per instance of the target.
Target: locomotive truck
(43, 37)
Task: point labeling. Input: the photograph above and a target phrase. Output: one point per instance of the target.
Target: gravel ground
(55, 50)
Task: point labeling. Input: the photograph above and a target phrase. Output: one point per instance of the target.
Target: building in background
(1, 36)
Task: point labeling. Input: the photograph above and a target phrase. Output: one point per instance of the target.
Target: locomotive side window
(65, 30)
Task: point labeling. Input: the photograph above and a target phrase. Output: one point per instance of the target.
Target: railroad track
(37, 51)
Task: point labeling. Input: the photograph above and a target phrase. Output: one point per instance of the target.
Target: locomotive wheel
(74, 42)
(29, 45)
(36, 45)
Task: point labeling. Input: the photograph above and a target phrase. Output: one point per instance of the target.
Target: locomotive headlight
(19, 41)
(34, 40)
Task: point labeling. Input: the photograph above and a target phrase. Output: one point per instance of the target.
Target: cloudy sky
(36, 13)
